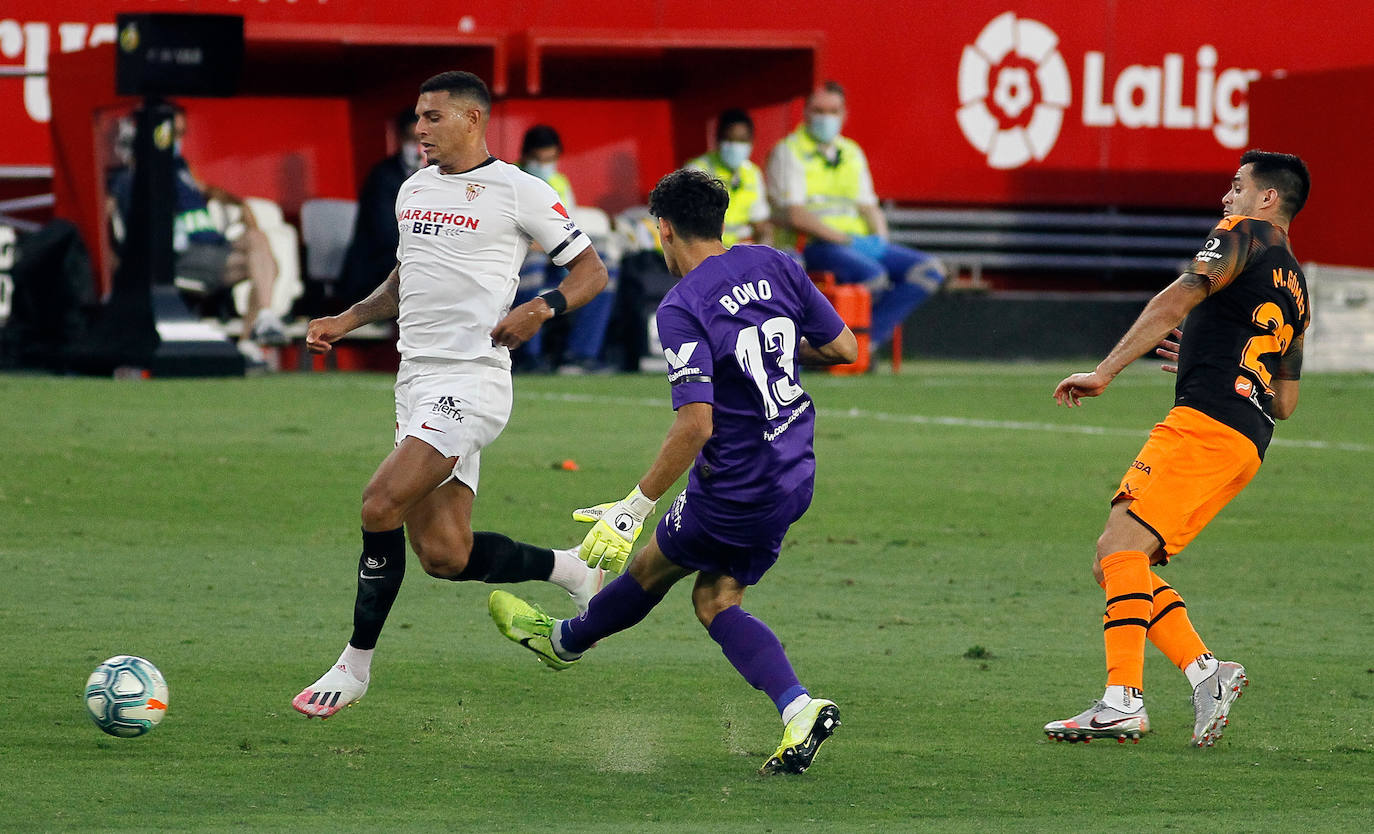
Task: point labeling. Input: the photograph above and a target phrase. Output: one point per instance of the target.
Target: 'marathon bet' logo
(1013, 90)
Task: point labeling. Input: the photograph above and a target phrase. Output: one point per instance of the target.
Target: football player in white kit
(466, 223)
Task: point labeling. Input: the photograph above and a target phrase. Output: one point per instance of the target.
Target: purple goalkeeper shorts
(739, 540)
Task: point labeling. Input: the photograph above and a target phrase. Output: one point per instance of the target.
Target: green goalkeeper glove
(616, 528)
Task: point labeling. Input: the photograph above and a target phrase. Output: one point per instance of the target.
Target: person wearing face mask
(747, 217)
(540, 151)
(822, 191)
(539, 154)
(372, 250)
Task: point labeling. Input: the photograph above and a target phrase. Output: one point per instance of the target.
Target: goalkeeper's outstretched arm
(616, 526)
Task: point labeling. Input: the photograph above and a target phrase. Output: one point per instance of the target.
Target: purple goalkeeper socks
(616, 607)
(753, 649)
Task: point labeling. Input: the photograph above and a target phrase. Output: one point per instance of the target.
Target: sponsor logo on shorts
(448, 407)
(675, 512)
(426, 425)
(1141, 465)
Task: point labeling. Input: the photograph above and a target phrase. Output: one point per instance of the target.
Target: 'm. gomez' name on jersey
(463, 238)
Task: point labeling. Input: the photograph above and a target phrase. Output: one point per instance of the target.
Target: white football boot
(593, 582)
(1100, 721)
(335, 690)
(1212, 699)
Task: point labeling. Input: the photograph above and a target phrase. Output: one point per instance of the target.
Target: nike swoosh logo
(362, 575)
(1217, 697)
(426, 425)
(1098, 725)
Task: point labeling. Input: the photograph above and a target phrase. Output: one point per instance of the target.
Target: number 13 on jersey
(767, 353)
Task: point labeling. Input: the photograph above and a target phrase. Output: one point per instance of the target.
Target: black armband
(556, 302)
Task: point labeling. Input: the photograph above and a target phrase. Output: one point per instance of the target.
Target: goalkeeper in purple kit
(736, 328)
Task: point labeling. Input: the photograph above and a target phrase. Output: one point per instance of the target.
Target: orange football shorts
(1190, 467)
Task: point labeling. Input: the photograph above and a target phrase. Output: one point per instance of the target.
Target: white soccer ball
(126, 696)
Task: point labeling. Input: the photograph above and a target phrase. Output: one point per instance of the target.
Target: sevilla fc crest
(473, 190)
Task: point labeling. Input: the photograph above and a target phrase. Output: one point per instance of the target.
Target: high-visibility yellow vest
(560, 183)
(746, 191)
(832, 189)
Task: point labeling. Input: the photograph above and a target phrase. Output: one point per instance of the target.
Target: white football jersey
(463, 238)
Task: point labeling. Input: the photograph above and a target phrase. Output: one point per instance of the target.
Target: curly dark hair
(693, 201)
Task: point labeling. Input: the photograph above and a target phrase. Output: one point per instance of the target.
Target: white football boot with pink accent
(335, 690)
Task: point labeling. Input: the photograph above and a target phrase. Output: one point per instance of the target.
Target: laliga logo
(1013, 90)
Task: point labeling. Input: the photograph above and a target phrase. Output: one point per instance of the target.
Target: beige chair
(285, 245)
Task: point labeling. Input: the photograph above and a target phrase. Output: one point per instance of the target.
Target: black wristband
(556, 302)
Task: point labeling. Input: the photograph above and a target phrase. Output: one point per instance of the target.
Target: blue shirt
(730, 331)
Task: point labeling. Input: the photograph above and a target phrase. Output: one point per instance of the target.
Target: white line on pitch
(957, 422)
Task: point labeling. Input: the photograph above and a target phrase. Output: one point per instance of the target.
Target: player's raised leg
(1216, 684)
(440, 529)
(620, 605)
(409, 474)
(1212, 699)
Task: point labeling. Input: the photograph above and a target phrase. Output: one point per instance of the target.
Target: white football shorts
(456, 406)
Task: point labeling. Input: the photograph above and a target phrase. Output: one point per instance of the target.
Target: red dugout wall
(1051, 103)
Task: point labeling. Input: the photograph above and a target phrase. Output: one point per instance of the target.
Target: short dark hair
(730, 118)
(831, 86)
(459, 83)
(540, 136)
(1283, 172)
(693, 201)
(404, 121)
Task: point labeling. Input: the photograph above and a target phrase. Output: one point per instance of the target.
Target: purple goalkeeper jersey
(730, 331)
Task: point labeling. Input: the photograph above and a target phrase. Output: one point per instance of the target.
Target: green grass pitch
(938, 590)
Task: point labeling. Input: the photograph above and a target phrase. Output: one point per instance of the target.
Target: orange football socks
(1129, 606)
(1170, 629)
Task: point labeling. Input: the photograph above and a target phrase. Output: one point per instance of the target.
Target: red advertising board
(1048, 102)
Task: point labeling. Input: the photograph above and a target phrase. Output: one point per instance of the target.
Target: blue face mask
(735, 154)
(542, 170)
(823, 127)
(411, 157)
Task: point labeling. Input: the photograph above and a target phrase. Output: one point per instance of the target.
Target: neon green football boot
(527, 625)
(802, 737)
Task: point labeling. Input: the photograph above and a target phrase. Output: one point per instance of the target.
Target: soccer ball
(126, 696)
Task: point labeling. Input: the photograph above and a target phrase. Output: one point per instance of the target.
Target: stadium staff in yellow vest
(540, 152)
(747, 216)
(821, 187)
